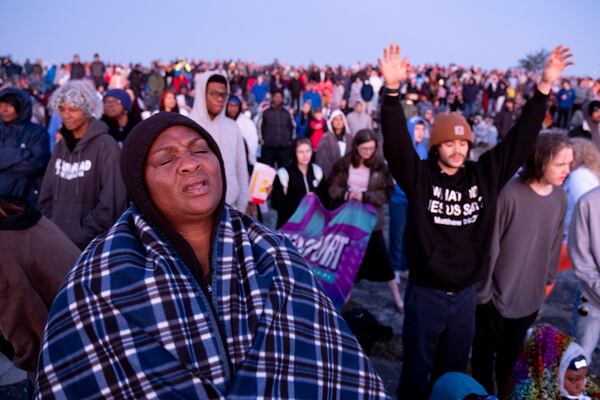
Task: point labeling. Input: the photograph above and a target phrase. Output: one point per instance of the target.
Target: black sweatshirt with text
(450, 217)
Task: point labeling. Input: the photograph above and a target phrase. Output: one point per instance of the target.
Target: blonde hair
(585, 154)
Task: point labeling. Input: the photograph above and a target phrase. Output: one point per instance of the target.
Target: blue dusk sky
(469, 32)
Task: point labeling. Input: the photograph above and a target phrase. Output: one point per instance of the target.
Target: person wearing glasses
(212, 92)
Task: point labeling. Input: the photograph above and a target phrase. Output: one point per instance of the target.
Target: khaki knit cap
(449, 126)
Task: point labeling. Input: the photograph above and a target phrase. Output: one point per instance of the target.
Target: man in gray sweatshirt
(524, 256)
(584, 252)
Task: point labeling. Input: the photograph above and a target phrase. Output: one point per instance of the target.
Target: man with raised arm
(452, 209)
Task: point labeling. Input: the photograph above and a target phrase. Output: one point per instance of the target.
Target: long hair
(364, 136)
(585, 154)
(546, 148)
(163, 95)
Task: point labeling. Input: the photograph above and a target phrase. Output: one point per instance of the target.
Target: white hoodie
(229, 138)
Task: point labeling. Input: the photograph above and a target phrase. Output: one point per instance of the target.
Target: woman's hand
(393, 69)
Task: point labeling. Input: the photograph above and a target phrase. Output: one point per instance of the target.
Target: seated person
(184, 297)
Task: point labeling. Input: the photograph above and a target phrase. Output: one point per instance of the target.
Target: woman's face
(338, 123)
(170, 101)
(303, 154)
(366, 149)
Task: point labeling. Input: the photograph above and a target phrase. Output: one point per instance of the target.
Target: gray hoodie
(82, 191)
(229, 138)
(584, 244)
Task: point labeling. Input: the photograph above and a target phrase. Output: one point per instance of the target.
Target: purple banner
(332, 242)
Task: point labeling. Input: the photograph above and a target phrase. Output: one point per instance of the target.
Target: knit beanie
(120, 95)
(449, 126)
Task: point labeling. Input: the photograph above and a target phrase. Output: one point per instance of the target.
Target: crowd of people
(136, 265)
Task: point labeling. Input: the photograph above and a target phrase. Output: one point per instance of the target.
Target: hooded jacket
(358, 121)
(329, 150)
(258, 327)
(36, 257)
(229, 138)
(540, 370)
(82, 191)
(24, 151)
(584, 244)
(588, 129)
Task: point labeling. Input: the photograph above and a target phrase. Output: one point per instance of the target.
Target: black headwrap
(133, 162)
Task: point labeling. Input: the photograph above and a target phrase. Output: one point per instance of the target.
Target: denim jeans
(398, 215)
(437, 335)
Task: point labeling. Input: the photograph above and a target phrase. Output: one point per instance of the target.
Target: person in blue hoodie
(565, 99)
(24, 147)
(399, 202)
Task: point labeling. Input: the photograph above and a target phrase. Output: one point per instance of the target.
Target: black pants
(564, 115)
(497, 345)
(436, 337)
(276, 157)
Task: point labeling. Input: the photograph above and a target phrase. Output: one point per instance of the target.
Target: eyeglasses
(218, 95)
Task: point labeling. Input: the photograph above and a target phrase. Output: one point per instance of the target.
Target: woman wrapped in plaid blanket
(186, 298)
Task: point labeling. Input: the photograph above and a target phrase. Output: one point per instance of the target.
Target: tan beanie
(449, 126)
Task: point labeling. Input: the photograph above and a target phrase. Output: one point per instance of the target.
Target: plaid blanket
(130, 321)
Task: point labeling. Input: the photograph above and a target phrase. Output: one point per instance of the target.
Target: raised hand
(556, 63)
(393, 68)
(558, 60)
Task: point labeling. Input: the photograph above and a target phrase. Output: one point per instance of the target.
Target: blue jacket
(260, 92)
(565, 98)
(24, 151)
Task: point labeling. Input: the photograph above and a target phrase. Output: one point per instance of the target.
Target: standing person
(590, 127)
(82, 191)
(247, 128)
(565, 99)
(295, 90)
(584, 253)
(24, 147)
(524, 257)
(363, 176)
(449, 228)
(118, 114)
(470, 93)
(260, 89)
(98, 69)
(316, 128)
(212, 92)
(358, 119)
(191, 299)
(36, 256)
(584, 176)
(76, 69)
(294, 181)
(276, 132)
(506, 118)
(302, 120)
(336, 143)
(311, 94)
